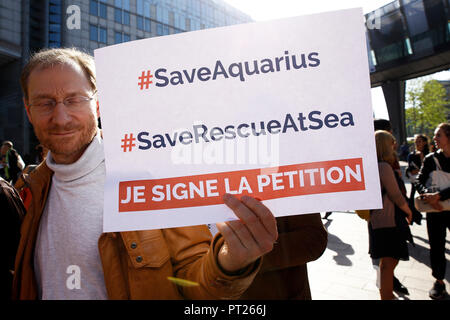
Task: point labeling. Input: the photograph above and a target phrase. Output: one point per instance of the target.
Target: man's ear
(98, 110)
(27, 108)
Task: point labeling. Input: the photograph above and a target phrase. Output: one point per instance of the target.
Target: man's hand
(248, 238)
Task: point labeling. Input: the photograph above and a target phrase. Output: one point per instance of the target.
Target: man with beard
(63, 253)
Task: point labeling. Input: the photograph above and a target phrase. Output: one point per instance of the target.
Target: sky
(261, 10)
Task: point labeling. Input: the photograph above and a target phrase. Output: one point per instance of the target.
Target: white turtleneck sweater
(67, 262)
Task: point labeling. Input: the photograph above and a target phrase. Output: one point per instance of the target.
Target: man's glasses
(46, 106)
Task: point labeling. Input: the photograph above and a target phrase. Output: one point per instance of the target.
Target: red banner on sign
(268, 183)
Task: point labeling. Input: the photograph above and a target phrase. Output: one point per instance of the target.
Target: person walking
(388, 227)
(437, 222)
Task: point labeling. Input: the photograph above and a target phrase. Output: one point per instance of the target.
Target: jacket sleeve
(410, 161)
(194, 257)
(414, 163)
(301, 239)
(389, 183)
(427, 167)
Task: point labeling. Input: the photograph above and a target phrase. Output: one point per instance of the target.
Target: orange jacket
(137, 264)
(283, 274)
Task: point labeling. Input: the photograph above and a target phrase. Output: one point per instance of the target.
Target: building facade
(29, 25)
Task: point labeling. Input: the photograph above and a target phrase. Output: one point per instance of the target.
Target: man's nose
(60, 114)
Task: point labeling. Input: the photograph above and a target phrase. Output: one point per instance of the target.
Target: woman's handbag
(438, 180)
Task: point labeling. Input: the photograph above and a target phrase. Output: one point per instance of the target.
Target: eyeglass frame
(55, 102)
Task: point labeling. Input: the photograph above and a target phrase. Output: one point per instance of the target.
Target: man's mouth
(62, 133)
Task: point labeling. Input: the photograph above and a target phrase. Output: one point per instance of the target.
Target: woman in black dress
(388, 227)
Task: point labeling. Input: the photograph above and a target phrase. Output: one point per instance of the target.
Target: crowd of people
(389, 229)
(55, 210)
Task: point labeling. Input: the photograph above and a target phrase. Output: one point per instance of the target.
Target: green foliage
(425, 107)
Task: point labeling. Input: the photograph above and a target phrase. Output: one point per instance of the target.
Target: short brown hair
(47, 58)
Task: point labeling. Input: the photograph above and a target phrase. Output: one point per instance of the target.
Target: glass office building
(106, 22)
(29, 25)
(408, 30)
(115, 21)
(406, 39)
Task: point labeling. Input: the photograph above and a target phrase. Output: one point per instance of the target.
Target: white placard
(279, 110)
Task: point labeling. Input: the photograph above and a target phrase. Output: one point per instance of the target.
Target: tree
(426, 101)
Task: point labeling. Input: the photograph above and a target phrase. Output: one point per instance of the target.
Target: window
(56, 28)
(143, 13)
(93, 8)
(171, 19)
(120, 37)
(118, 15)
(98, 8)
(140, 7)
(103, 35)
(117, 37)
(148, 25)
(126, 18)
(93, 33)
(197, 8)
(103, 11)
(188, 24)
(98, 34)
(159, 29)
(180, 21)
(165, 15)
(147, 9)
(162, 14)
(210, 12)
(55, 19)
(122, 11)
(126, 5)
(54, 37)
(158, 11)
(140, 23)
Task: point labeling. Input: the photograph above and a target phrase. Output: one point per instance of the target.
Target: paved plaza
(345, 271)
